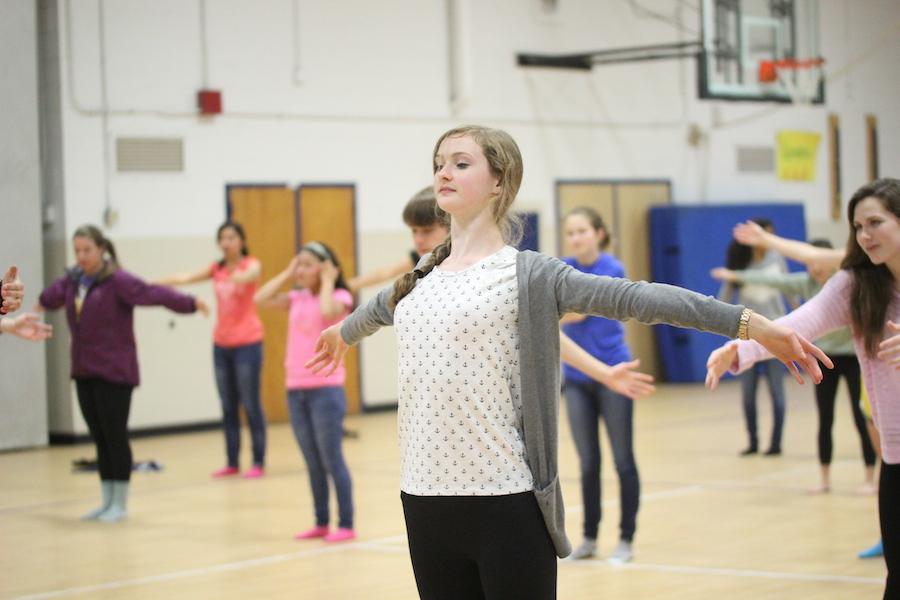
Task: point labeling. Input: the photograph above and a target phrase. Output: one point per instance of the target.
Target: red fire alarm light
(209, 102)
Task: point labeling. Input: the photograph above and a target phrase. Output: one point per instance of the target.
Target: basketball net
(799, 78)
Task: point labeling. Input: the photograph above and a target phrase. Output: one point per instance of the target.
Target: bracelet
(743, 331)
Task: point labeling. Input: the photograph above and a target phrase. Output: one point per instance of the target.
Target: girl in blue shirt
(588, 401)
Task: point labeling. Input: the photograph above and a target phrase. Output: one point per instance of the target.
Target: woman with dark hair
(864, 295)
(99, 298)
(237, 345)
(768, 302)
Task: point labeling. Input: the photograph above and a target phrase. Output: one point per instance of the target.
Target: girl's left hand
(328, 272)
(202, 306)
(889, 348)
(330, 350)
(624, 379)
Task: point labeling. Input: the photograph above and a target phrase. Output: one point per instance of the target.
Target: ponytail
(93, 233)
(407, 282)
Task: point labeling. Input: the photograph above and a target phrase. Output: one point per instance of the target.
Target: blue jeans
(317, 416)
(237, 377)
(587, 403)
(774, 374)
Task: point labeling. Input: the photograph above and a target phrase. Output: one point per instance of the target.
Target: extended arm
(621, 378)
(267, 295)
(752, 234)
(184, 278)
(385, 273)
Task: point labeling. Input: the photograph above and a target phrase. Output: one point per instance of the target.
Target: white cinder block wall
(357, 91)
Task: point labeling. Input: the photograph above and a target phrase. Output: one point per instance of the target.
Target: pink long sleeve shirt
(829, 310)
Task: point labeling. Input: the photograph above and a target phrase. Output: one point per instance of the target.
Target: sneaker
(319, 531)
(340, 534)
(622, 554)
(587, 549)
(225, 472)
(254, 472)
(873, 552)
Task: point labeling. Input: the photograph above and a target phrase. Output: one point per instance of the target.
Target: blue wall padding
(688, 241)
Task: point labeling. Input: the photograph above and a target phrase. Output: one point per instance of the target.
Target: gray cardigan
(548, 288)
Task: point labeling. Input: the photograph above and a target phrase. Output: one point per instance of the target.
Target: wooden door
(623, 206)
(327, 214)
(268, 216)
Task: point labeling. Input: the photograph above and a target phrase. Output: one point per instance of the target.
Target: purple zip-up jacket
(103, 334)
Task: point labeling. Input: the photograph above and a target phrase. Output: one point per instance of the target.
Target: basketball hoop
(799, 78)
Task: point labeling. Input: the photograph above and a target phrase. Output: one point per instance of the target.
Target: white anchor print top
(460, 411)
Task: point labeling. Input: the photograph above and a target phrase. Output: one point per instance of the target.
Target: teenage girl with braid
(477, 326)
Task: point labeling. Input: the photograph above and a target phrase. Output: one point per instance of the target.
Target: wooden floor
(711, 525)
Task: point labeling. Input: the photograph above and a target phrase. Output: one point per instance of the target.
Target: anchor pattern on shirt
(460, 410)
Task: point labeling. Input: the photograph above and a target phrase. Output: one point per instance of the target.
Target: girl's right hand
(749, 233)
(330, 350)
(719, 361)
(789, 347)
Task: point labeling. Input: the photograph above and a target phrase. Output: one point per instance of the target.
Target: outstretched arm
(267, 295)
(184, 278)
(621, 378)
(386, 273)
(621, 299)
(752, 234)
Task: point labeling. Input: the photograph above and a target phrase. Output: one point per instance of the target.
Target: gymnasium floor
(711, 525)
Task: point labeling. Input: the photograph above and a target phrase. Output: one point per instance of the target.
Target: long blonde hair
(505, 162)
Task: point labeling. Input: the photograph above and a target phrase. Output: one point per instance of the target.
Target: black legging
(105, 407)
(889, 513)
(848, 367)
(480, 547)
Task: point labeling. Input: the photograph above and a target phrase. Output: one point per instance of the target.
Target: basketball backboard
(739, 34)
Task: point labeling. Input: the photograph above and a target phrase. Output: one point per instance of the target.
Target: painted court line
(375, 545)
(749, 573)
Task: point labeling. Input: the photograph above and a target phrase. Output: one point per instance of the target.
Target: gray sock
(587, 549)
(622, 554)
(118, 507)
(106, 490)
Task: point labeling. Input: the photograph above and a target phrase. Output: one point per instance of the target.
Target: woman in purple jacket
(99, 299)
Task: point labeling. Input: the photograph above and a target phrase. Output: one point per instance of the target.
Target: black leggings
(848, 366)
(105, 407)
(480, 547)
(889, 513)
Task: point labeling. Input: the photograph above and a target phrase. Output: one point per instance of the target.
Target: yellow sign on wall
(797, 151)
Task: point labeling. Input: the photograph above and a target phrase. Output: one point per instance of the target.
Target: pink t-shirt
(829, 310)
(305, 323)
(237, 323)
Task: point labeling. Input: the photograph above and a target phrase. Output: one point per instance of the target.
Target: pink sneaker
(319, 531)
(225, 472)
(254, 472)
(340, 535)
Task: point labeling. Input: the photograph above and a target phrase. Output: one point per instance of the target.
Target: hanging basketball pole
(585, 61)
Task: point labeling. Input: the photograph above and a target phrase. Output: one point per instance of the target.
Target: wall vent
(149, 154)
(755, 159)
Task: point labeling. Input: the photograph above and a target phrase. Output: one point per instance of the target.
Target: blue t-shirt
(601, 338)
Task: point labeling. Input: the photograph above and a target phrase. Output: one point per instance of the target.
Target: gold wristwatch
(743, 332)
